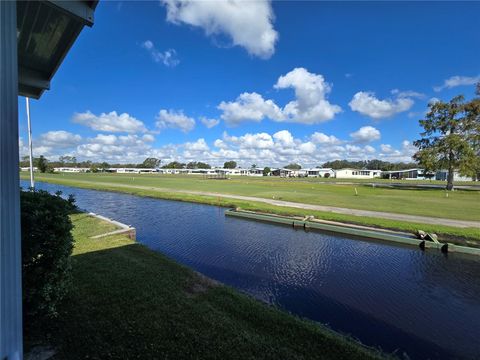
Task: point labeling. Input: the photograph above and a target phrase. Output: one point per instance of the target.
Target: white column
(10, 246)
(30, 148)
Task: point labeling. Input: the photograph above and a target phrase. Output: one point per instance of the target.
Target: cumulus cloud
(263, 148)
(457, 80)
(111, 122)
(249, 107)
(59, 139)
(366, 103)
(167, 57)
(321, 138)
(171, 119)
(311, 105)
(403, 154)
(199, 145)
(209, 123)
(365, 134)
(248, 24)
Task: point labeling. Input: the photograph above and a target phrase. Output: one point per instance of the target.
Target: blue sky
(275, 82)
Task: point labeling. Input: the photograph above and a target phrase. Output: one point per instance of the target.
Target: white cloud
(249, 141)
(386, 148)
(321, 138)
(167, 58)
(171, 119)
(404, 154)
(248, 24)
(367, 104)
(249, 107)
(197, 146)
(408, 94)
(111, 122)
(112, 148)
(311, 105)
(58, 139)
(365, 134)
(457, 80)
(284, 138)
(209, 123)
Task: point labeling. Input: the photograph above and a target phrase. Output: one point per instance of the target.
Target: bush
(47, 244)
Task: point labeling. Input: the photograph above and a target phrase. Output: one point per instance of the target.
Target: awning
(46, 31)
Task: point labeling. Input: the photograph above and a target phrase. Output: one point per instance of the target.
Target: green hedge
(47, 244)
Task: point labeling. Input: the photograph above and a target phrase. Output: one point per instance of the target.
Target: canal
(403, 300)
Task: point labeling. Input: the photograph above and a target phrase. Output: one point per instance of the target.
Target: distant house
(320, 172)
(407, 174)
(357, 174)
(283, 172)
(443, 174)
(27, 168)
(71, 169)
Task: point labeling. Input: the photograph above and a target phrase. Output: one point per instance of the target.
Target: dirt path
(333, 209)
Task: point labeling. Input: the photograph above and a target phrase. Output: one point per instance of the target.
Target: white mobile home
(357, 174)
(442, 175)
(320, 172)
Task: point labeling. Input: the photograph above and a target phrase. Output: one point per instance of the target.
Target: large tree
(42, 164)
(293, 166)
(230, 165)
(450, 139)
(150, 163)
(198, 165)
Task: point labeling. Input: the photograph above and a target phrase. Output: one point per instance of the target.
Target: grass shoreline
(461, 236)
(130, 302)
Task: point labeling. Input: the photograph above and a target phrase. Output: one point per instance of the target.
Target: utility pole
(32, 181)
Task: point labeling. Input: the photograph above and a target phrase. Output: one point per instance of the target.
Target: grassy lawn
(128, 302)
(463, 236)
(460, 204)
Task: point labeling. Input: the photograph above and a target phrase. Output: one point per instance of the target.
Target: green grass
(460, 204)
(465, 202)
(129, 302)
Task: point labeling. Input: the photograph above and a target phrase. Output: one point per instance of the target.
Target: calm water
(426, 305)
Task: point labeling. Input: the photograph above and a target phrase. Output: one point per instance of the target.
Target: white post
(32, 181)
(10, 240)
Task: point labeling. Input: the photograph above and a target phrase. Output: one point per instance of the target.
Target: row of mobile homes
(71, 170)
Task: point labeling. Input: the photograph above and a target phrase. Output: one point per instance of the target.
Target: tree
(198, 165)
(293, 166)
(230, 165)
(451, 138)
(42, 164)
(103, 166)
(150, 163)
(266, 171)
(174, 165)
(254, 166)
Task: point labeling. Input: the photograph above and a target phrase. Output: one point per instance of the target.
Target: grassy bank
(155, 183)
(132, 303)
(460, 205)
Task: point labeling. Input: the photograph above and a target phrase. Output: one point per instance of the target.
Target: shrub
(47, 244)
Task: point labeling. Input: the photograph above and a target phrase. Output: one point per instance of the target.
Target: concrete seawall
(352, 230)
(128, 230)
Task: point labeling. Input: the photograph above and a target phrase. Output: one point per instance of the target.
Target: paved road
(333, 209)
